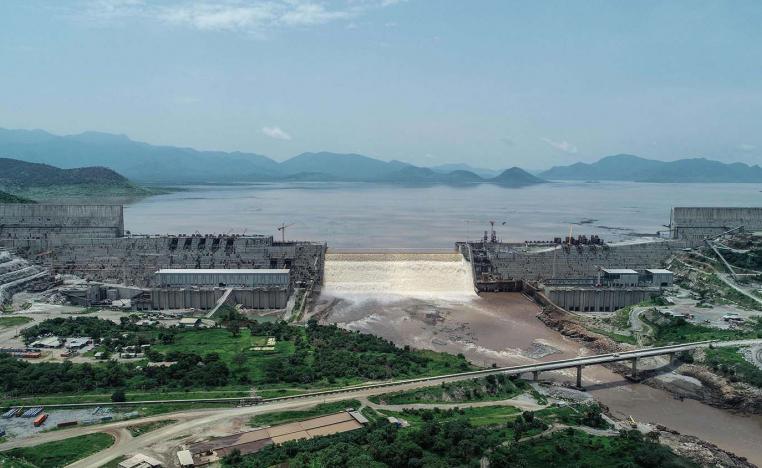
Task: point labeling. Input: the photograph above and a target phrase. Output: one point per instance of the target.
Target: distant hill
(340, 166)
(6, 197)
(480, 171)
(21, 178)
(135, 160)
(516, 177)
(173, 165)
(633, 168)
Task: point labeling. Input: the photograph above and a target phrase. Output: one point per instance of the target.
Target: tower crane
(282, 229)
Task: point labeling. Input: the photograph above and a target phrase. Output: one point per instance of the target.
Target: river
(399, 297)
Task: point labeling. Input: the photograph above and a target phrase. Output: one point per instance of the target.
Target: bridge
(535, 369)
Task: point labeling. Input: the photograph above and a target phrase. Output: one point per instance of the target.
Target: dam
(390, 275)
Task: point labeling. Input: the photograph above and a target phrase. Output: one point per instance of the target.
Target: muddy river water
(503, 329)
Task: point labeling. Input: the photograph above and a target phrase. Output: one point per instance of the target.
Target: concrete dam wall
(695, 223)
(580, 261)
(47, 221)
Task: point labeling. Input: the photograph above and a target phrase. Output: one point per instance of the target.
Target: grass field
(269, 419)
(62, 452)
(221, 341)
(13, 321)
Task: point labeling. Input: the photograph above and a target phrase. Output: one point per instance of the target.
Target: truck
(40, 419)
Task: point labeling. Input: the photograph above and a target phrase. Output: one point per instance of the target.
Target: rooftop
(620, 271)
(657, 271)
(229, 271)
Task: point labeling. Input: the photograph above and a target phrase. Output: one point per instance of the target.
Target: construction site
(176, 272)
(90, 242)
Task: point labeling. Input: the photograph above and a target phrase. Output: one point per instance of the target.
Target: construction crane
(282, 229)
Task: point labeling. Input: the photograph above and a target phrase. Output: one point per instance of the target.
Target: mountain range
(627, 167)
(147, 163)
(154, 164)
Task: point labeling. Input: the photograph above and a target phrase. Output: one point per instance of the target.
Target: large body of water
(366, 216)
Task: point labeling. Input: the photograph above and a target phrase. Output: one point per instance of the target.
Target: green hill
(6, 197)
(32, 180)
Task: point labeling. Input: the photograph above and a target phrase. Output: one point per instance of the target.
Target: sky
(492, 83)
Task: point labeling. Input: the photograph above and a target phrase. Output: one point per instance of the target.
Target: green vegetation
(14, 321)
(8, 462)
(6, 197)
(491, 387)
(140, 429)
(729, 363)
(670, 330)
(618, 337)
(219, 359)
(61, 452)
(444, 438)
(572, 448)
(269, 419)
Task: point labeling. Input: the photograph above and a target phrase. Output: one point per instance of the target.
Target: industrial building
(253, 441)
(614, 289)
(240, 278)
(619, 277)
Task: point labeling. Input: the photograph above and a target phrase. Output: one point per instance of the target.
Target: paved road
(190, 422)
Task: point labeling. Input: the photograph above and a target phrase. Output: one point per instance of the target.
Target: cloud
(745, 147)
(508, 141)
(243, 16)
(276, 132)
(564, 146)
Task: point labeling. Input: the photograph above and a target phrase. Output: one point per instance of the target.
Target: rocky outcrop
(701, 384)
(701, 452)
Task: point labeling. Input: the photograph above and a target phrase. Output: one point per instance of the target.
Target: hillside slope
(627, 167)
(22, 178)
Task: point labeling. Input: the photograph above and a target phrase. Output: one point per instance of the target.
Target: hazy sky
(493, 83)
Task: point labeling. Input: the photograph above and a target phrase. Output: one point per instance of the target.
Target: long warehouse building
(238, 278)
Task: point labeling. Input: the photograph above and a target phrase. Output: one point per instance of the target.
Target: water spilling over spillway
(395, 275)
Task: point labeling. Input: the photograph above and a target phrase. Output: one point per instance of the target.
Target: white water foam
(392, 278)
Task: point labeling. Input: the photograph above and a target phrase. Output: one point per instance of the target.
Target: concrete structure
(17, 274)
(140, 461)
(47, 221)
(598, 299)
(657, 277)
(619, 277)
(208, 298)
(694, 224)
(507, 263)
(241, 278)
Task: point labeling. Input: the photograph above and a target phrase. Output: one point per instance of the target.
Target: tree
(234, 458)
(118, 396)
(234, 327)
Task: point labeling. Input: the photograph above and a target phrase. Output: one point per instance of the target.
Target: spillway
(396, 275)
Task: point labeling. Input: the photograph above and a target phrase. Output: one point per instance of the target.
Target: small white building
(48, 342)
(77, 343)
(140, 461)
(190, 322)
